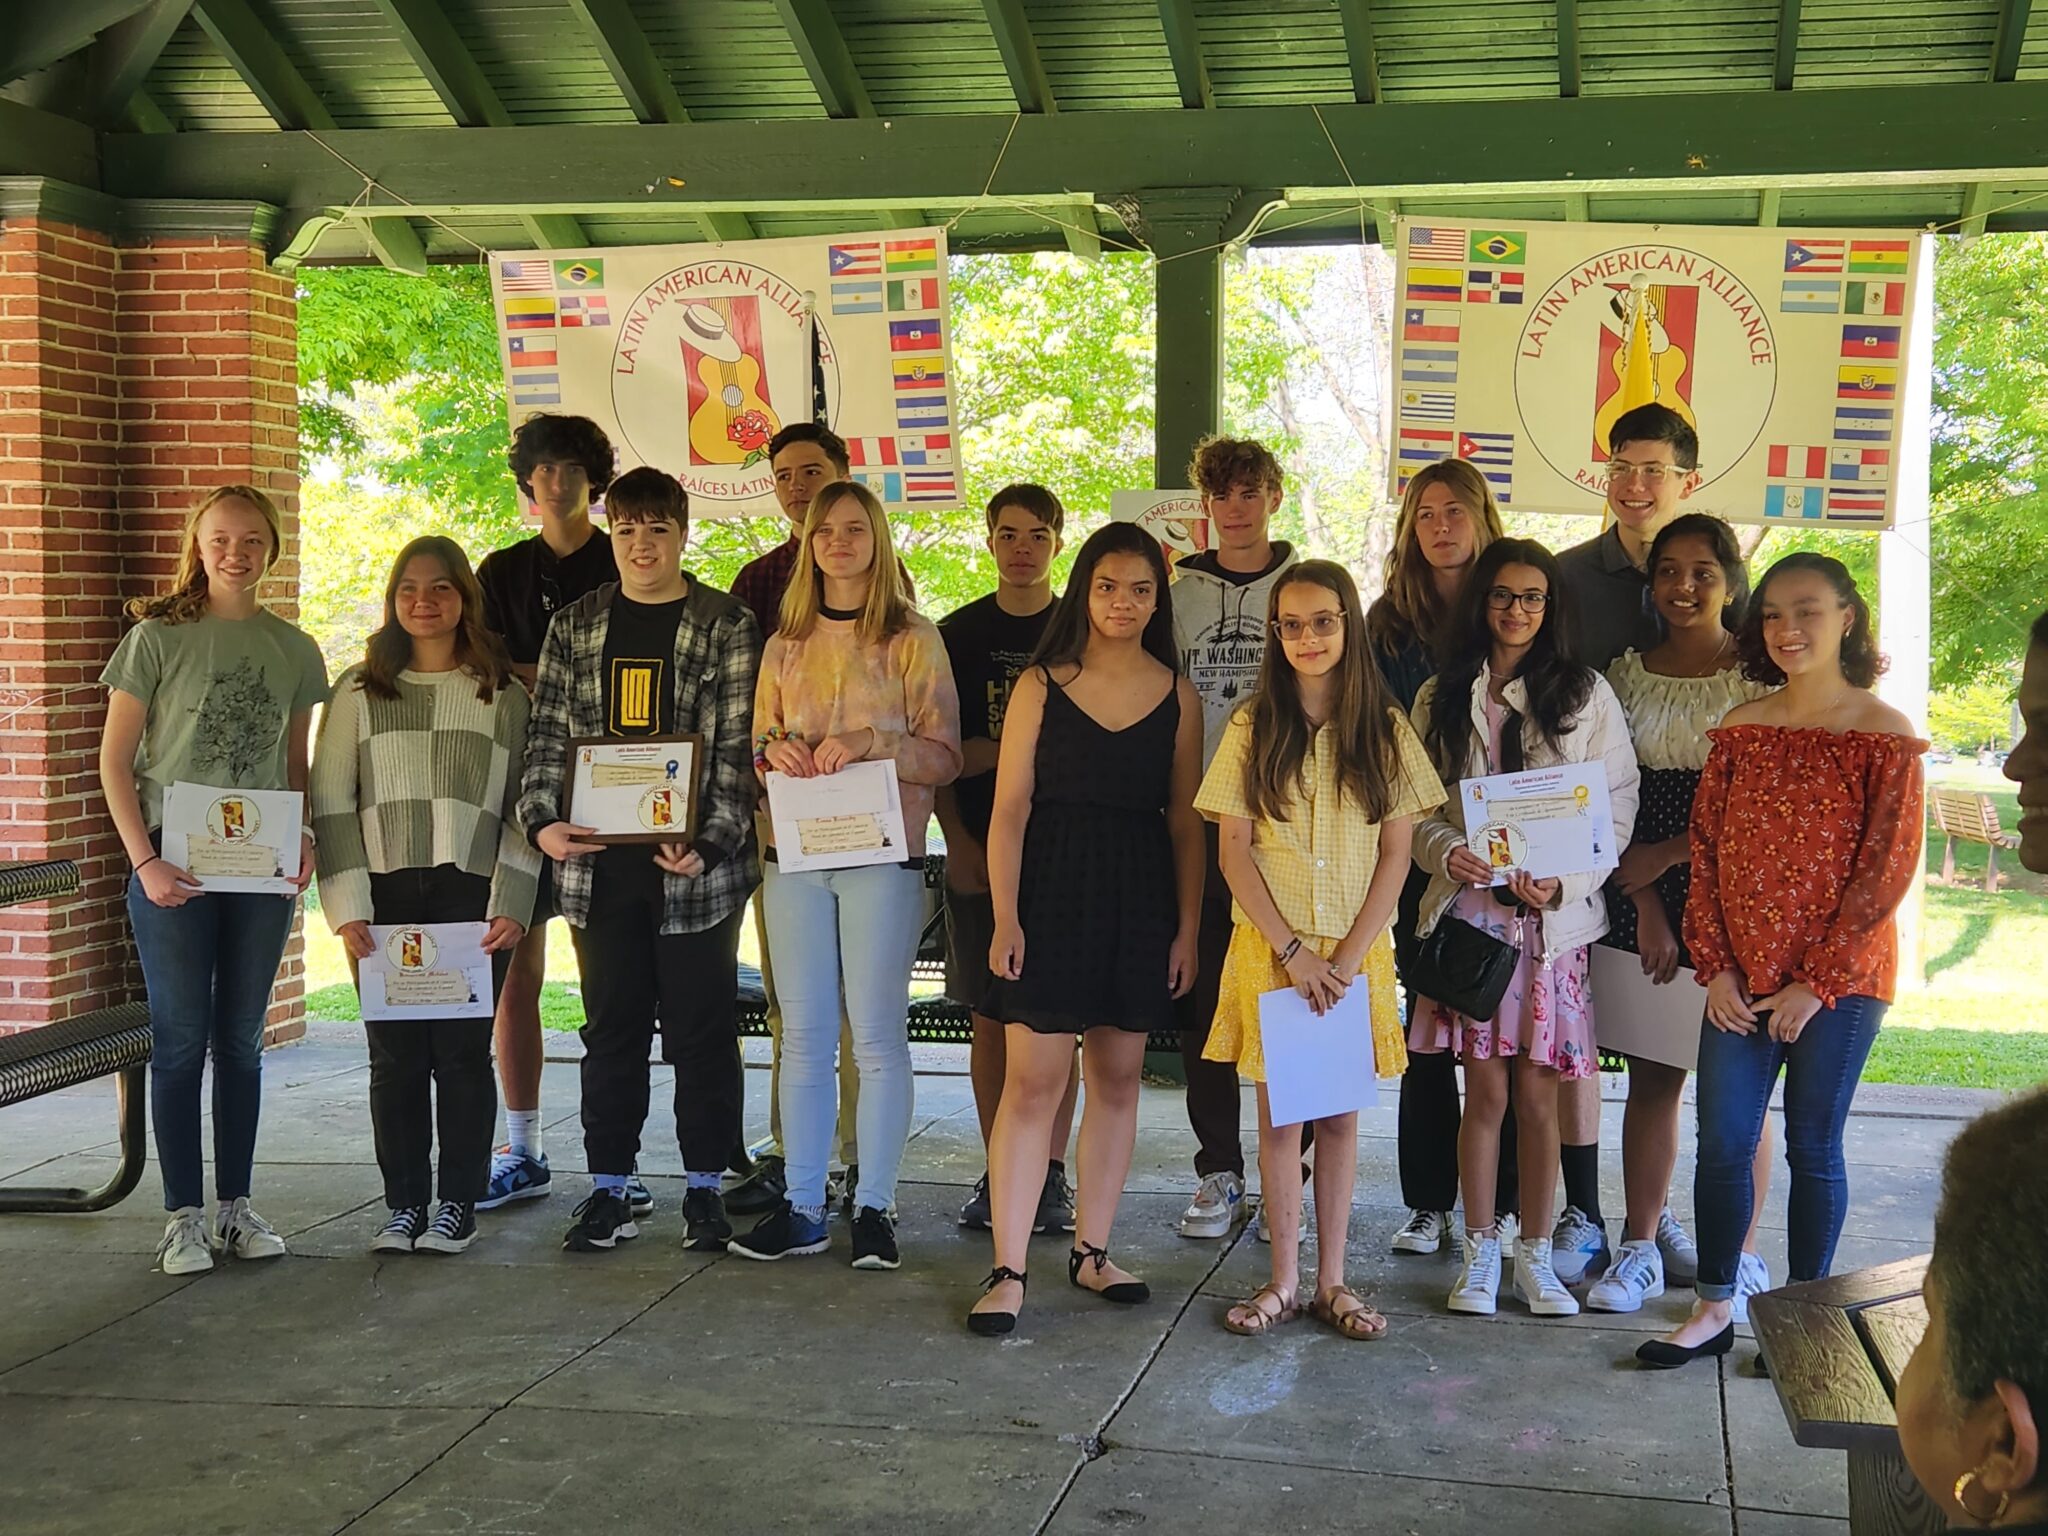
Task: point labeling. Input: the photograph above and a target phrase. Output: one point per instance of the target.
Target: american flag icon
(526, 277)
(1435, 243)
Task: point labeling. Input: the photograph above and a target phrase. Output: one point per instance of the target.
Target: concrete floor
(521, 1389)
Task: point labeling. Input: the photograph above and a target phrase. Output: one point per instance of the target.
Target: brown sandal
(1256, 1319)
(1360, 1322)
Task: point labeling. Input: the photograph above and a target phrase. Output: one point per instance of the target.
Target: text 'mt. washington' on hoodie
(1219, 627)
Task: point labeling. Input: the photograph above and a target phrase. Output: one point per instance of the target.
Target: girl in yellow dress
(1313, 788)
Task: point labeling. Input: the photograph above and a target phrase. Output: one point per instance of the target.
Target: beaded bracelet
(773, 734)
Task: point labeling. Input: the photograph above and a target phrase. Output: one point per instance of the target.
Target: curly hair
(548, 438)
(1221, 464)
(1862, 665)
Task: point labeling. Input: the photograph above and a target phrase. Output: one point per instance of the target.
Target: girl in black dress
(1095, 864)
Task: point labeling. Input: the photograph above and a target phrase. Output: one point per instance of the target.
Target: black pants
(428, 1070)
(1212, 1085)
(633, 975)
(1428, 1139)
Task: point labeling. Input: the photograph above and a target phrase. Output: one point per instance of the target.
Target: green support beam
(555, 231)
(1183, 30)
(38, 36)
(38, 143)
(1577, 207)
(397, 245)
(1360, 49)
(822, 47)
(1185, 228)
(1786, 60)
(1767, 208)
(1568, 68)
(122, 59)
(2012, 33)
(450, 68)
(1011, 29)
(1976, 205)
(645, 84)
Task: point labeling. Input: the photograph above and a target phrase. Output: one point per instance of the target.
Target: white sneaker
(1578, 1246)
(1541, 1290)
(1752, 1278)
(1510, 1230)
(1680, 1254)
(1636, 1276)
(1217, 1207)
(1479, 1279)
(1424, 1232)
(244, 1234)
(187, 1248)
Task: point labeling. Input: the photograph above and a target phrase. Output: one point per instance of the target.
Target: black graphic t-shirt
(526, 585)
(988, 649)
(639, 700)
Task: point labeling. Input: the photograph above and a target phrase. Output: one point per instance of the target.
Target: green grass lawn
(1980, 1022)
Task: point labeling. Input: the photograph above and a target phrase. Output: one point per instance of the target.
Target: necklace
(1713, 663)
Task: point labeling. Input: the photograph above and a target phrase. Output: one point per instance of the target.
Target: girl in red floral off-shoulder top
(1805, 839)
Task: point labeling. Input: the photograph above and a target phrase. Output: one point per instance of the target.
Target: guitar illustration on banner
(731, 420)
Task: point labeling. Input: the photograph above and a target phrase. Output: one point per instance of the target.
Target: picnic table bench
(1973, 818)
(1835, 1349)
(107, 1041)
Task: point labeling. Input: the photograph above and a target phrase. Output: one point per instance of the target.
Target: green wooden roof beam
(450, 68)
(1011, 28)
(2012, 32)
(38, 36)
(1360, 49)
(1184, 46)
(255, 54)
(644, 83)
(1976, 205)
(1768, 204)
(826, 58)
(1786, 61)
(1568, 67)
(122, 59)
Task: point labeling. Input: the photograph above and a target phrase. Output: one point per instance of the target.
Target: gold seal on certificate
(234, 839)
(635, 789)
(427, 971)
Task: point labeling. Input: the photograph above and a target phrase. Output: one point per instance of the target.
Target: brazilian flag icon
(1501, 247)
(578, 272)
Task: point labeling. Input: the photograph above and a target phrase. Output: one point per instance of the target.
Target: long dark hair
(1281, 735)
(1727, 553)
(1065, 640)
(1861, 663)
(1558, 684)
(477, 650)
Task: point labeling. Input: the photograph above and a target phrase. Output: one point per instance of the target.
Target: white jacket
(1599, 735)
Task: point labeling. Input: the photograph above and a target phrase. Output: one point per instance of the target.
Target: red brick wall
(132, 381)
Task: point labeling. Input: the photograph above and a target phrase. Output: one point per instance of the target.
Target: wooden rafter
(1785, 62)
(1184, 46)
(1360, 49)
(122, 59)
(2012, 33)
(1012, 31)
(1568, 65)
(829, 63)
(41, 35)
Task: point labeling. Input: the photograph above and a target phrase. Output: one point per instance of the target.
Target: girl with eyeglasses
(1314, 788)
(1512, 696)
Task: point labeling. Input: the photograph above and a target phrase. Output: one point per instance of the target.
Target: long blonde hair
(888, 607)
(186, 601)
(1411, 606)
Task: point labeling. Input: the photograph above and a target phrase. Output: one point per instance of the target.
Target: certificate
(1635, 1016)
(235, 839)
(838, 820)
(634, 789)
(426, 971)
(1317, 1066)
(1545, 822)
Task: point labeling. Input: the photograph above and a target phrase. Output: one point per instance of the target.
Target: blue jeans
(850, 931)
(1736, 1075)
(209, 967)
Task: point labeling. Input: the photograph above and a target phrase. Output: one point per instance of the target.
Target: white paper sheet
(234, 839)
(1547, 821)
(1634, 1015)
(426, 971)
(840, 820)
(1317, 1066)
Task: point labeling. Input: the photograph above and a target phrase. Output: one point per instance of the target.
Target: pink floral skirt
(1546, 1013)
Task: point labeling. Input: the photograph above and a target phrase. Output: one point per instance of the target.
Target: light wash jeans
(852, 932)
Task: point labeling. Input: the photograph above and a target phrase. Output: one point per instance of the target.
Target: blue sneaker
(781, 1234)
(1578, 1247)
(638, 1196)
(515, 1176)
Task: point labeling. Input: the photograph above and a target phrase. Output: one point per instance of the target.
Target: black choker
(844, 615)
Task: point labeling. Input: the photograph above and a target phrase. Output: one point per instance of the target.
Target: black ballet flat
(1662, 1356)
(994, 1324)
(1126, 1293)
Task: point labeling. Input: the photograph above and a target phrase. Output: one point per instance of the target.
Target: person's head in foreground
(2027, 765)
(1972, 1400)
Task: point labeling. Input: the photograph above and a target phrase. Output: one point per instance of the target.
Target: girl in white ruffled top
(1672, 695)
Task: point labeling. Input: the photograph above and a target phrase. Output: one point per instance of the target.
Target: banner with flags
(692, 357)
(1518, 346)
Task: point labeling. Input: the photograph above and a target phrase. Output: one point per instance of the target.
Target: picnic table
(1835, 1349)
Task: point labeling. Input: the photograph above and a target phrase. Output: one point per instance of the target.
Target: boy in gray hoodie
(1220, 601)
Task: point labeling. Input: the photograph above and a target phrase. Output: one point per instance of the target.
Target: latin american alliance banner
(1518, 345)
(692, 357)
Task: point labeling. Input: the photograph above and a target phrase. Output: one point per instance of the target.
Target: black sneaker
(452, 1229)
(874, 1240)
(402, 1232)
(849, 1184)
(603, 1221)
(1055, 1202)
(975, 1213)
(760, 1190)
(705, 1228)
(781, 1234)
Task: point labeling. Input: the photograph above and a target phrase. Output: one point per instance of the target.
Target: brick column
(136, 374)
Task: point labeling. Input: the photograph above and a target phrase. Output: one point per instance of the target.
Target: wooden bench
(1974, 819)
(1835, 1349)
(108, 1042)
